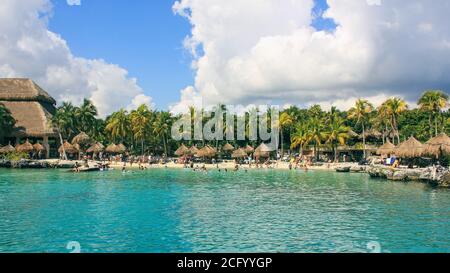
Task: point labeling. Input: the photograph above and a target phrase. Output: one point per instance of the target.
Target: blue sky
(144, 37)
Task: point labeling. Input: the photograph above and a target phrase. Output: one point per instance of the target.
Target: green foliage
(16, 156)
(146, 131)
(7, 122)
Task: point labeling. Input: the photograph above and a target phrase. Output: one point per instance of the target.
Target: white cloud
(29, 49)
(258, 51)
(140, 100)
(74, 2)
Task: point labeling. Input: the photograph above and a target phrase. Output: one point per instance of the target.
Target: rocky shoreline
(427, 175)
(33, 164)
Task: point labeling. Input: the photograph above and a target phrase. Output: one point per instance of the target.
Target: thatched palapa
(38, 147)
(193, 150)
(249, 149)
(111, 148)
(7, 149)
(387, 149)
(263, 151)
(438, 146)
(410, 149)
(239, 153)
(96, 148)
(207, 151)
(121, 149)
(68, 148)
(228, 147)
(31, 107)
(27, 147)
(81, 139)
(182, 151)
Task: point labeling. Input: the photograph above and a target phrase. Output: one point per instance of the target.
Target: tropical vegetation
(145, 130)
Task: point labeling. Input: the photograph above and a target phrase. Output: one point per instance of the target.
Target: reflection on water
(185, 211)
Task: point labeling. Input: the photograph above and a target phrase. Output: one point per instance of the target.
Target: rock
(444, 182)
(358, 169)
(399, 176)
(5, 163)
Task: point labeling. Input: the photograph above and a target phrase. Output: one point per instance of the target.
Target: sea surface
(163, 210)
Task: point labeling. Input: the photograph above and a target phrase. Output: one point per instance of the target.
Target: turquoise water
(185, 211)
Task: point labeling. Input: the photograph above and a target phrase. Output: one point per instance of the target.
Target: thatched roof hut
(438, 146)
(81, 139)
(182, 150)
(410, 149)
(249, 149)
(207, 151)
(111, 148)
(38, 147)
(120, 149)
(386, 149)
(239, 153)
(27, 147)
(30, 106)
(227, 147)
(262, 151)
(96, 148)
(7, 149)
(193, 150)
(68, 148)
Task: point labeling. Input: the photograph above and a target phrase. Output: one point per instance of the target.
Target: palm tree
(285, 121)
(316, 133)
(337, 134)
(141, 123)
(395, 107)
(161, 128)
(360, 112)
(118, 125)
(301, 137)
(64, 121)
(7, 121)
(86, 116)
(382, 121)
(433, 102)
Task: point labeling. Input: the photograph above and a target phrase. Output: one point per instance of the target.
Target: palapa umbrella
(193, 150)
(111, 148)
(81, 139)
(410, 149)
(228, 147)
(120, 149)
(7, 149)
(239, 153)
(38, 147)
(249, 149)
(262, 151)
(438, 146)
(182, 150)
(69, 148)
(386, 149)
(96, 148)
(27, 147)
(206, 151)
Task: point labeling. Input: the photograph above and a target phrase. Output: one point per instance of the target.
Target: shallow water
(185, 211)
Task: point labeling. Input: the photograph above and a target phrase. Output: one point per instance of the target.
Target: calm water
(183, 211)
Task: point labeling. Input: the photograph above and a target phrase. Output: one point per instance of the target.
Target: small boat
(343, 169)
(86, 169)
